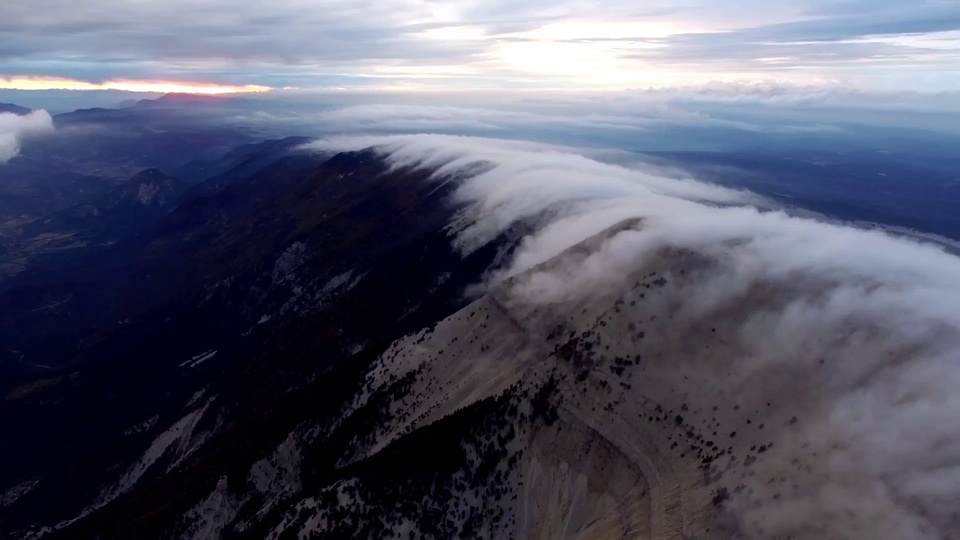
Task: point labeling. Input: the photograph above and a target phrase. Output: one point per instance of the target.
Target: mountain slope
(460, 338)
(240, 323)
(484, 381)
(118, 214)
(239, 163)
(607, 415)
(121, 211)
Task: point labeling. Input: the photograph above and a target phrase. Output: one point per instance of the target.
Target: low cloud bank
(864, 334)
(14, 128)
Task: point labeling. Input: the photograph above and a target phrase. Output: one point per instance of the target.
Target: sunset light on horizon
(126, 85)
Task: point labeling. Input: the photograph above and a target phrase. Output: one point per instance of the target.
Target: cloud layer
(565, 43)
(860, 329)
(13, 128)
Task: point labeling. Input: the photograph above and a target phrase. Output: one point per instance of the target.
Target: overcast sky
(535, 44)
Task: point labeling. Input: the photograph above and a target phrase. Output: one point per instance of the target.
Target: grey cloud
(300, 39)
(285, 34)
(917, 20)
(823, 41)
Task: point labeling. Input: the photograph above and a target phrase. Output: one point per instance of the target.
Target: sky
(226, 46)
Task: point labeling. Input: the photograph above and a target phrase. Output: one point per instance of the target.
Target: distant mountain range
(93, 150)
(180, 100)
(11, 108)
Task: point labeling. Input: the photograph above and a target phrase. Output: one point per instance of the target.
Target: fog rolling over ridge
(835, 368)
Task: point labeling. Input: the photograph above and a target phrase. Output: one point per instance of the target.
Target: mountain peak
(148, 175)
(15, 109)
(152, 187)
(186, 97)
(181, 99)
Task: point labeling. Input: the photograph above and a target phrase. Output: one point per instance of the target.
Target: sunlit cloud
(542, 45)
(56, 83)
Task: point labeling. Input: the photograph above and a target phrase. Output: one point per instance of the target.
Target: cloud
(858, 331)
(14, 128)
(711, 118)
(715, 116)
(503, 117)
(558, 44)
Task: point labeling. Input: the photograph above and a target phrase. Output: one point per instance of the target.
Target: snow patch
(176, 438)
(293, 257)
(306, 298)
(211, 515)
(337, 281)
(198, 359)
(197, 396)
(147, 193)
(142, 426)
(277, 476)
(11, 494)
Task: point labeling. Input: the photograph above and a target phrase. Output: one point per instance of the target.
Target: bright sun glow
(594, 53)
(610, 55)
(599, 29)
(162, 87)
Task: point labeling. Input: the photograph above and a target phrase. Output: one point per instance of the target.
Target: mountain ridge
(400, 341)
(14, 109)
